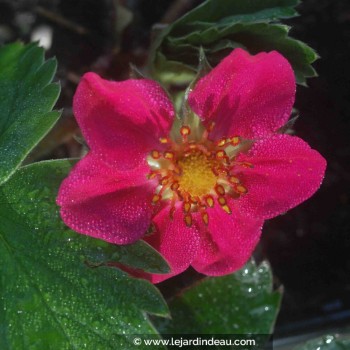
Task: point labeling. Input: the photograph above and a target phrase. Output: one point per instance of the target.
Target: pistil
(196, 173)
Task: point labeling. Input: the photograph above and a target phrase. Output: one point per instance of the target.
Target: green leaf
(139, 255)
(222, 25)
(240, 303)
(49, 297)
(27, 97)
(328, 342)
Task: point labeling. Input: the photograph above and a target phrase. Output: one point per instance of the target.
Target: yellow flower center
(197, 177)
(197, 172)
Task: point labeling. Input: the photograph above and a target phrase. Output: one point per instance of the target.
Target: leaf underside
(222, 25)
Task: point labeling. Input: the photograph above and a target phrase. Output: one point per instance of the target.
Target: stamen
(205, 217)
(164, 140)
(187, 207)
(235, 141)
(233, 180)
(222, 201)
(188, 220)
(164, 181)
(241, 189)
(220, 190)
(175, 186)
(168, 155)
(223, 171)
(209, 200)
(224, 206)
(156, 198)
(227, 209)
(197, 172)
(185, 131)
(155, 154)
(221, 142)
(220, 154)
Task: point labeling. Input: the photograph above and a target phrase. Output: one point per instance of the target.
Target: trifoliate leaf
(240, 303)
(50, 298)
(27, 97)
(222, 25)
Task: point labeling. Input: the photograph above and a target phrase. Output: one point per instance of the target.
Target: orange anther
(221, 143)
(155, 154)
(235, 140)
(164, 180)
(223, 204)
(188, 220)
(156, 198)
(241, 189)
(151, 175)
(175, 186)
(187, 207)
(209, 200)
(233, 180)
(205, 218)
(220, 154)
(226, 208)
(224, 171)
(185, 130)
(164, 140)
(220, 190)
(222, 200)
(168, 155)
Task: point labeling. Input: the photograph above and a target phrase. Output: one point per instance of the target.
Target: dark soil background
(309, 246)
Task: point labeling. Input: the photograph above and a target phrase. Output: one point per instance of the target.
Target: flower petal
(249, 96)
(98, 201)
(122, 121)
(227, 243)
(175, 241)
(286, 172)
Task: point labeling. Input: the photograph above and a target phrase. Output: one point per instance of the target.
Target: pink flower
(201, 190)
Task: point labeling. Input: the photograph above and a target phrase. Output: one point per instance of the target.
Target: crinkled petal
(98, 201)
(175, 241)
(286, 172)
(249, 96)
(122, 121)
(227, 243)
